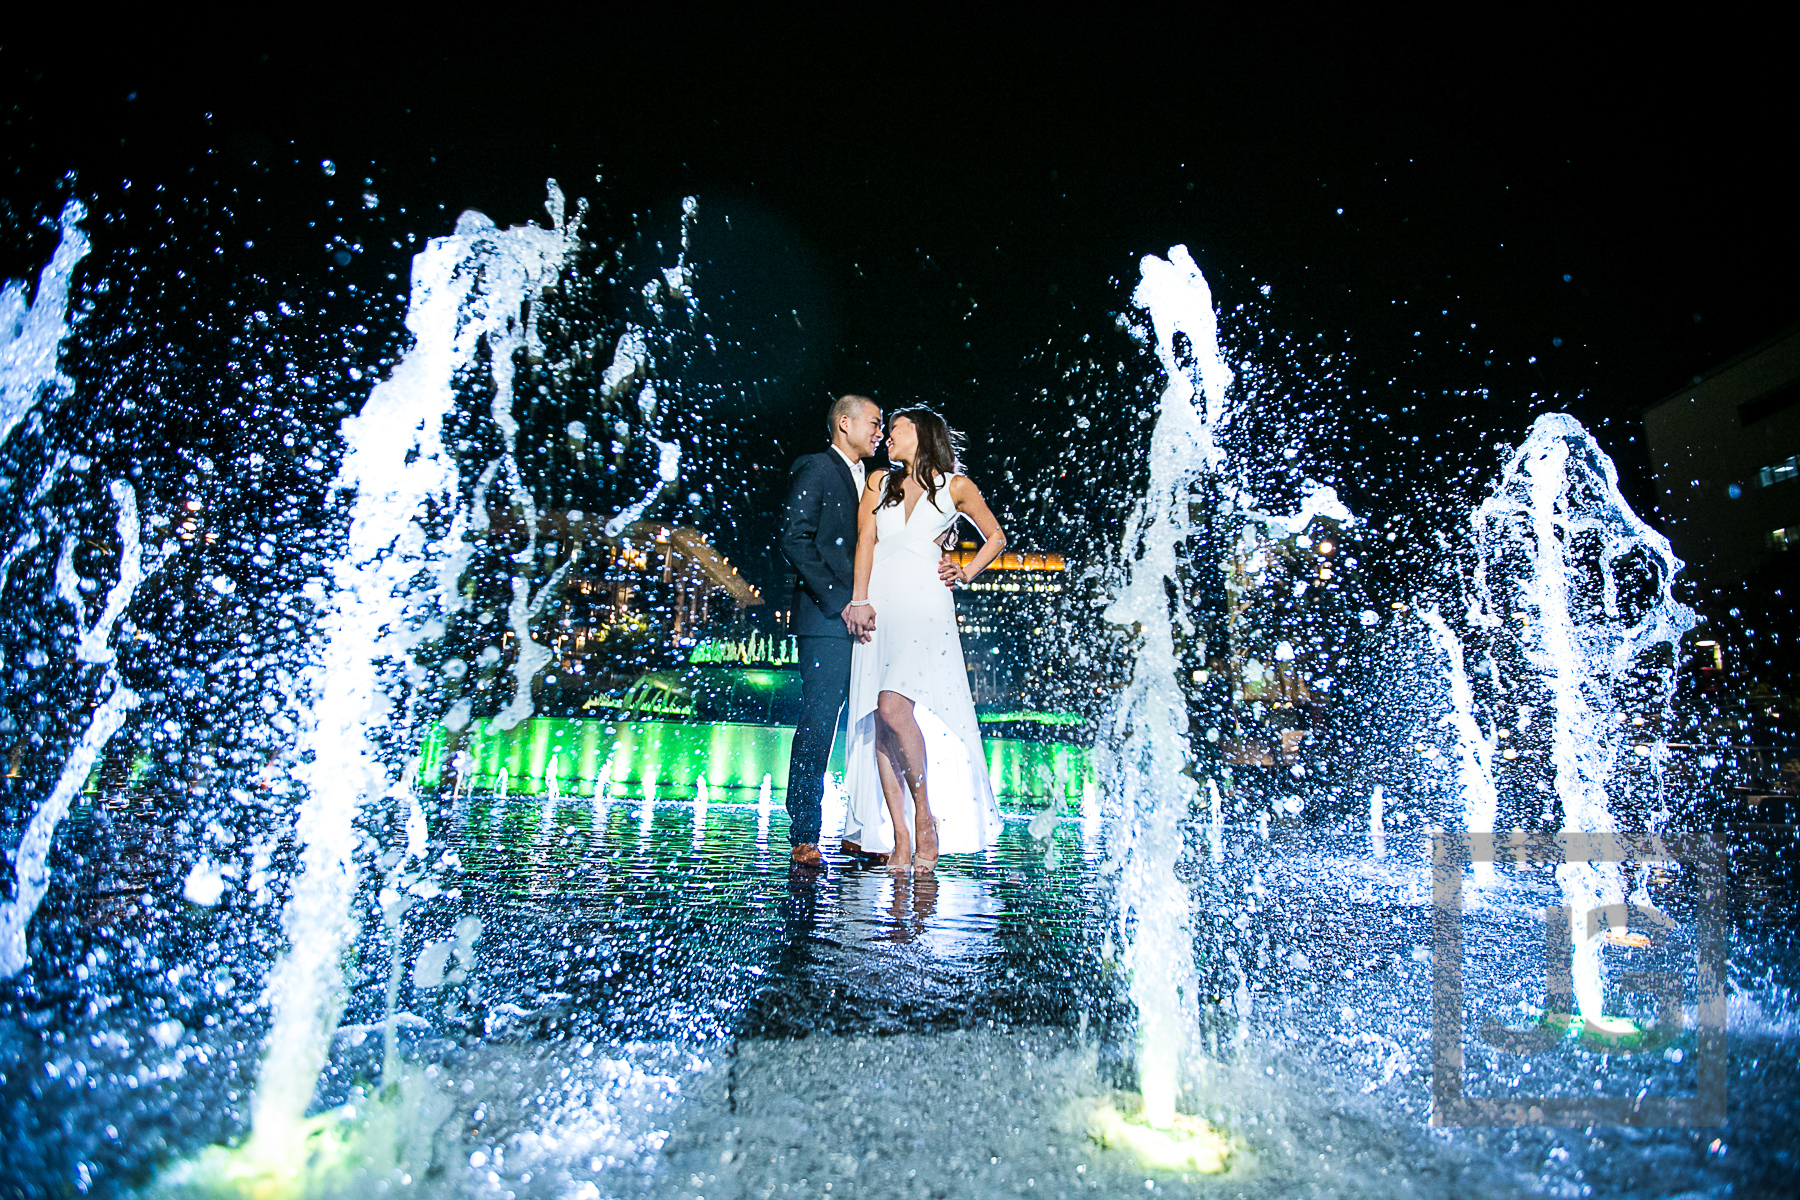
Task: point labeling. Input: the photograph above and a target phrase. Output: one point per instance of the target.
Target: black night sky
(1457, 227)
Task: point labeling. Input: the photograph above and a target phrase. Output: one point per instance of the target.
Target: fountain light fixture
(271, 1165)
(1188, 1144)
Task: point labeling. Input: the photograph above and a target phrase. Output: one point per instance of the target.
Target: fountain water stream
(1570, 607)
(1145, 758)
(31, 334)
(470, 290)
(31, 339)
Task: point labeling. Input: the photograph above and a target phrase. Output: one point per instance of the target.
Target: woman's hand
(859, 619)
(951, 572)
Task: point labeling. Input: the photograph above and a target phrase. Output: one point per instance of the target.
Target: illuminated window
(1778, 539)
(1780, 472)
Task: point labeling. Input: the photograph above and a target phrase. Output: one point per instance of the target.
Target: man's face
(864, 430)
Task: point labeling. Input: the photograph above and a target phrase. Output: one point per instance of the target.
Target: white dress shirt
(856, 470)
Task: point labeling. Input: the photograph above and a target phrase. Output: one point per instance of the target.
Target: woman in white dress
(915, 772)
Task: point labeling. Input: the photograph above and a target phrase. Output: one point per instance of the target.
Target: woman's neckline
(906, 514)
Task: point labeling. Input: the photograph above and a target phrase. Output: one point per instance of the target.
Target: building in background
(630, 606)
(1726, 453)
(1285, 627)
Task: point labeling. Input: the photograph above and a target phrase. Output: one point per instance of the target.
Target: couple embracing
(876, 624)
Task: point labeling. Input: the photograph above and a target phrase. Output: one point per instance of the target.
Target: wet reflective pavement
(661, 923)
(657, 1004)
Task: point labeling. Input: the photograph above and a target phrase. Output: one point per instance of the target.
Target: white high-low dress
(917, 652)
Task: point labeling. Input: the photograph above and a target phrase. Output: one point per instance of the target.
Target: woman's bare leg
(894, 792)
(907, 753)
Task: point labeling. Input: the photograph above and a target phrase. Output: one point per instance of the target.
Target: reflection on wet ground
(680, 923)
(657, 1004)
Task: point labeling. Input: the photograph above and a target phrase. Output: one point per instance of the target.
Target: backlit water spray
(1144, 754)
(31, 339)
(1570, 609)
(470, 290)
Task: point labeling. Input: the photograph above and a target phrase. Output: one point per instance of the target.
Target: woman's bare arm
(970, 503)
(859, 617)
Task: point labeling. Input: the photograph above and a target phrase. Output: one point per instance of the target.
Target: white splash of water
(1474, 745)
(631, 360)
(1377, 826)
(469, 287)
(765, 804)
(1144, 753)
(1555, 540)
(31, 335)
(668, 468)
(1215, 828)
(31, 869)
(31, 857)
(205, 883)
(1319, 501)
(93, 645)
(532, 656)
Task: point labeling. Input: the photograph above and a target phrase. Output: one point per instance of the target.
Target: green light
(1032, 718)
(672, 756)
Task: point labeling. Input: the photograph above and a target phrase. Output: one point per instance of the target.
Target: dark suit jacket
(818, 537)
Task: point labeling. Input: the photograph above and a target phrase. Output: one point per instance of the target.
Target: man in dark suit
(818, 537)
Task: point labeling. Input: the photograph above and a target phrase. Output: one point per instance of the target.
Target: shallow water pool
(656, 1004)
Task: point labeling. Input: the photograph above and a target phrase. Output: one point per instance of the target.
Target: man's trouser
(824, 686)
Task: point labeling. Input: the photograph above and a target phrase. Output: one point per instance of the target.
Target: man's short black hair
(843, 406)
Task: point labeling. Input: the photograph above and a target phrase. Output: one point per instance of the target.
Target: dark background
(1459, 225)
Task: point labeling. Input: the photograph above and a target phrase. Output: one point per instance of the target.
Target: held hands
(859, 619)
(951, 572)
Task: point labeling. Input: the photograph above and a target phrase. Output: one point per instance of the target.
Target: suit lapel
(843, 473)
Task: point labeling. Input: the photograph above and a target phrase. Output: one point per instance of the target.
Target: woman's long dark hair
(940, 454)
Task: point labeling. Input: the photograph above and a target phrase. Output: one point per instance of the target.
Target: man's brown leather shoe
(806, 854)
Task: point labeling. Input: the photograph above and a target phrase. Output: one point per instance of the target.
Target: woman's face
(903, 440)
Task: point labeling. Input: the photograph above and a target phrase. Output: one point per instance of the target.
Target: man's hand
(859, 619)
(950, 572)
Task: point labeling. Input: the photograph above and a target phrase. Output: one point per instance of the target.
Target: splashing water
(1572, 601)
(31, 336)
(31, 339)
(1144, 752)
(1474, 746)
(1377, 826)
(631, 358)
(31, 862)
(471, 287)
